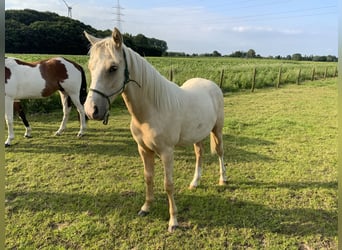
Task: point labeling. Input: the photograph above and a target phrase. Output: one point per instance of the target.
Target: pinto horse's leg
(198, 147)
(18, 108)
(81, 112)
(167, 159)
(147, 157)
(216, 142)
(9, 120)
(66, 112)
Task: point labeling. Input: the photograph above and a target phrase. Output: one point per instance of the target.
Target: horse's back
(41, 79)
(201, 85)
(204, 90)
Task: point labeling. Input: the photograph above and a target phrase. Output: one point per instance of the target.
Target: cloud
(242, 29)
(263, 29)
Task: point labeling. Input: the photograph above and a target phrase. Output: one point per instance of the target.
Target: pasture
(281, 157)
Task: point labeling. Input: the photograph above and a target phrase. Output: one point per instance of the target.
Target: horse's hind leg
(66, 112)
(198, 147)
(216, 143)
(18, 108)
(9, 120)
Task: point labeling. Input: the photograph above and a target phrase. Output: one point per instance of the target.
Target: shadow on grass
(194, 209)
(119, 142)
(233, 151)
(114, 143)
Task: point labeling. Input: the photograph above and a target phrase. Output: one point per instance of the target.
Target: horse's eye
(112, 68)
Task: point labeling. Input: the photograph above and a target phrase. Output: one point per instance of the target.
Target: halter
(119, 91)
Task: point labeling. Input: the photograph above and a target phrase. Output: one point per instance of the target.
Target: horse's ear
(117, 37)
(91, 39)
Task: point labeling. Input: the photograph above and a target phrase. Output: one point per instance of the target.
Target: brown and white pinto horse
(41, 79)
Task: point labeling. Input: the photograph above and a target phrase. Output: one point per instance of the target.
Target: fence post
(221, 78)
(326, 73)
(313, 74)
(253, 79)
(298, 77)
(171, 74)
(279, 78)
(335, 72)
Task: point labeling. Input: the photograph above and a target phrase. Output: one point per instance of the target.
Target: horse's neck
(153, 93)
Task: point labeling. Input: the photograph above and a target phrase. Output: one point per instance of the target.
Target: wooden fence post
(253, 79)
(221, 78)
(313, 74)
(279, 78)
(171, 74)
(326, 73)
(298, 77)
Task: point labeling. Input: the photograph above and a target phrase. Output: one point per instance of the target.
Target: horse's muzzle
(93, 111)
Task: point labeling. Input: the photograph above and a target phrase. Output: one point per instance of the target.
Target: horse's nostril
(96, 110)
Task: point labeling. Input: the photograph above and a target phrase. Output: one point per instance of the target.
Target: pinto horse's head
(108, 67)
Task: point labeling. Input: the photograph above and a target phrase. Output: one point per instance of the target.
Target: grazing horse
(163, 115)
(41, 79)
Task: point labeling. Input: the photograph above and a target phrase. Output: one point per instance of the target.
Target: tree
(251, 53)
(297, 57)
(238, 54)
(31, 31)
(216, 53)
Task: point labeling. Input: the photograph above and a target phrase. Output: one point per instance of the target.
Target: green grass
(281, 158)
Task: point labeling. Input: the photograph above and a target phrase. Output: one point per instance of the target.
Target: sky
(270, 27)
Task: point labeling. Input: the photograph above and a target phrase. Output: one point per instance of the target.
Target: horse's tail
(212, 143)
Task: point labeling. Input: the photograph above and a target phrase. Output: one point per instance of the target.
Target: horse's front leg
(167, 159)
(83, 125)
(66, 111)
(147, 157)
(9, 120)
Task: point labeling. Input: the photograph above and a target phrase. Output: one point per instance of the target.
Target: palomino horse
(163, 114)
(41, 79)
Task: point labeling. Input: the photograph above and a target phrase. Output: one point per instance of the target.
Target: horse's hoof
(143, 213)
(223, 183)
(172, 228)
(58, 134)
(28, 136)
(192, 187)
(80, 135)
(7, 145)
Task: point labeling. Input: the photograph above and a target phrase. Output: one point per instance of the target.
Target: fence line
(314, 75)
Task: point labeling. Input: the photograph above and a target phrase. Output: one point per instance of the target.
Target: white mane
(164, 93)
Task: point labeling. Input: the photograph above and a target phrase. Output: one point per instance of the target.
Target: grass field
(238, 73)
(281, 158)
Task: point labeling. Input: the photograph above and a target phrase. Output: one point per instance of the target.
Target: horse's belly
(196, 129)
(192, 135)
(30, 91)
